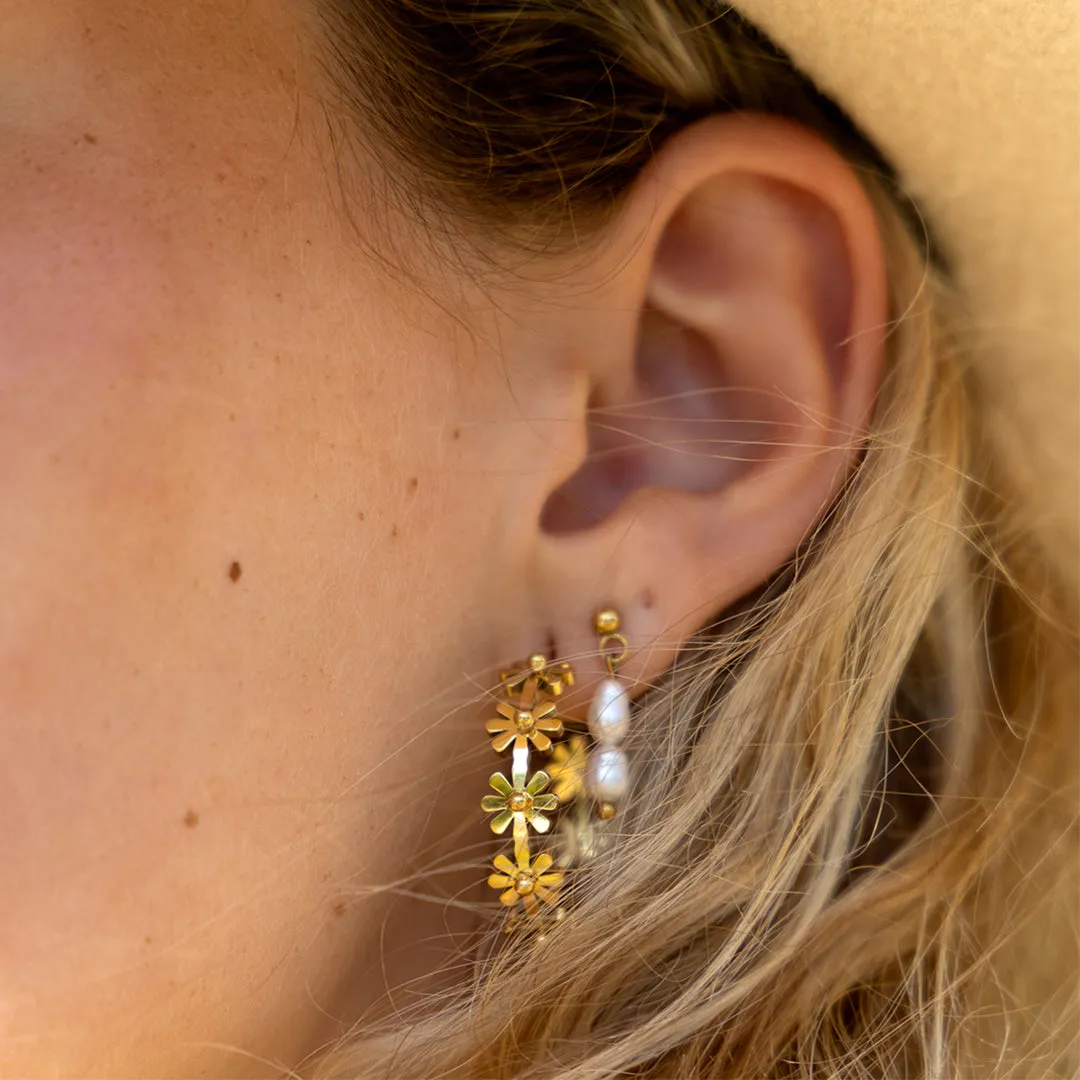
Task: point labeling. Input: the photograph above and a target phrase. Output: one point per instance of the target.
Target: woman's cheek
(117, 457)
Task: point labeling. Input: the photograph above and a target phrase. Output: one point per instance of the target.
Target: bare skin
(206, 397)
(267, 512)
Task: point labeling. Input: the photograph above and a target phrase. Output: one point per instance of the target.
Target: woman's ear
(732, 342)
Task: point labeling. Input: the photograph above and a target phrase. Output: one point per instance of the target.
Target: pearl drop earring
(608, 774)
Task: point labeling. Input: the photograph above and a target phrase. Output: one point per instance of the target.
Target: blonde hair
(850, 848)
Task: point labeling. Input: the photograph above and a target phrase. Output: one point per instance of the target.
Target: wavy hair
(850, 849)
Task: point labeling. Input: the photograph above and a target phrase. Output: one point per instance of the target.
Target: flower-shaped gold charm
(547, 676)
(525, 803)
(520, 726)
(529, 882)
(566, 768)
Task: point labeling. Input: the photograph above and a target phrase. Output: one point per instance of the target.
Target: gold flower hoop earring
(585, 781)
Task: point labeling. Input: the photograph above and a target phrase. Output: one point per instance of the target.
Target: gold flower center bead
(524, 721)
(519, 801)
(525, 884)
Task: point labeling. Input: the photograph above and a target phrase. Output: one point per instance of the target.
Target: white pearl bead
(609, 774)
(609, 712)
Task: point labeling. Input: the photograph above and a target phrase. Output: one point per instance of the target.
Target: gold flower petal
(510, 897)
(493, 803)
(543, 861)
(500, 881)
(551, 723)
(536, 820)
(501, 742)
(501, 784)
(504, 708)
(549, 896)
(567, 789)
(496, 724)
(567, 767)
(537, 782)
(541, 741)
(502, 863)
(500, 821)
(550, 880)
(546, 802)
(543, 710)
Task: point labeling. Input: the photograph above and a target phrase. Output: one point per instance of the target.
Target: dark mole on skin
(235, 571)
(191, 819)
(648, 599)
(457, 433)
(91, 139)
(414, 483)
(393, 531)
(339, 908)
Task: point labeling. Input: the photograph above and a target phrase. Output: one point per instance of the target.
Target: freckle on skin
(191, 819)
(339, 908)
(91, 139)
(393, 531)
(457, 433)
(235, 570)
(648, 599)
(360, 515)
(414, 483)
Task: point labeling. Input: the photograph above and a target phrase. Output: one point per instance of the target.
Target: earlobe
(719, 439)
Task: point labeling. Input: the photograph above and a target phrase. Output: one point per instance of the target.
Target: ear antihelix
(738, 358)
